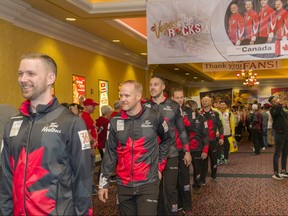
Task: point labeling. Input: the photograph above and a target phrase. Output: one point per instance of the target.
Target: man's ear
(51, 78)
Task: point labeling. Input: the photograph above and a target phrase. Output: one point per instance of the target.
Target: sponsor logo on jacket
(167, 108)
(51, 128)
(146, 124)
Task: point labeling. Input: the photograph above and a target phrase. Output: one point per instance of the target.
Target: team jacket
(280, 118)
(171, 112)
(215, 125)
(251, 23)
(236, 28)
(199, 139)
(46, 163)
(133, 145)
(266, 21)
(281, 24)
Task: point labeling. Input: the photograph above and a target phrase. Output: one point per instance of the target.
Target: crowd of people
(49, 149)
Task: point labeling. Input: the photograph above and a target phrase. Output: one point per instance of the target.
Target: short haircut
(105, 109)
(254, 107)
(177, 88)
(137, 85)
(159, 77)
(191, 103)
(47, 60)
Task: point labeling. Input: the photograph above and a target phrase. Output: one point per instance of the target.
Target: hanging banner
(232, 66)
(190, 31)
(78, 88)
(103, 94)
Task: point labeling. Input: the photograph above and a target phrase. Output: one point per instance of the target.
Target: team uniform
(199, 143)
(133, 147)
(236, 28)
(44, 163)
(215, 132)
(251, 23)
(281, 29)
(168, 196)
(266, 23)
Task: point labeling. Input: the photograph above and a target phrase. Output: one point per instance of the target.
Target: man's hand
(221, 141)
(103, 194)
(159, 175)
(204, 155)
(187, 159)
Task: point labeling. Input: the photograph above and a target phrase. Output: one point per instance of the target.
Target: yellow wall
(15, 42)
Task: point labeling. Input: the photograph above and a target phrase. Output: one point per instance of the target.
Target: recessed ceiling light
(187, 74)
(144, 54)
(127, 54)
(176, 69)
(202, 80)
(195, 77)
(116, 41)
(71, 19)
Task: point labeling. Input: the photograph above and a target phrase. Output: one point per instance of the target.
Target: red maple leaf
(129, 168)
(34, 202)
(211, 132)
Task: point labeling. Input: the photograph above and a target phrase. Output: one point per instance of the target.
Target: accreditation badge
(15, 128)
(120, 125)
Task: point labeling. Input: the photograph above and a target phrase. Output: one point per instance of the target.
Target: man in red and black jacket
(215, 134)
(171, 111)
(199, 145)
(46, 150)
(133, 147)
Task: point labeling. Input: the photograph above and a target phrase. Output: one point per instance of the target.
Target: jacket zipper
(132, 159)
(26, 165)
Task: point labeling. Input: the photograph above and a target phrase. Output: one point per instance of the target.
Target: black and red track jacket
(46, 163)
(172, 114)
(133, 145)
(215, 126)
(199, 139)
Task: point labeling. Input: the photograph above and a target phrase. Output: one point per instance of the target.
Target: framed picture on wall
(279, 91)
(103, 93)
(78, 89)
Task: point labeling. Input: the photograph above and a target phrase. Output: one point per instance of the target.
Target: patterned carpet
(243, 187)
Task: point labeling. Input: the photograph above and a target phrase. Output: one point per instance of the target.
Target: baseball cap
(90, 101)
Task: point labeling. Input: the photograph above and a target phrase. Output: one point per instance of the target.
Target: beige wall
(15, 42)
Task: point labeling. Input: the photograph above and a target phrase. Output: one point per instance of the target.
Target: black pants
(184, 189)
(213, 154)
(140, 200)
(281, 142)
(226, 147)
(168, 195)
(198, 165)
(256, 137)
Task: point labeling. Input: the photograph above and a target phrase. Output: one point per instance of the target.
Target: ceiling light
(249, 78)
(176, 69)
(202, 80)
(187, 74)
(195, 77)
(144, 54)
(71, 19)
(116, 41)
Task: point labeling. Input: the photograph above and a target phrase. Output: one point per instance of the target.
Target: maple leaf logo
(211, 133)
(129, 167)
(36, 202)
(285, 48)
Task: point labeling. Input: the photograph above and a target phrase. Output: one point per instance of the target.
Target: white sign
(187, 31)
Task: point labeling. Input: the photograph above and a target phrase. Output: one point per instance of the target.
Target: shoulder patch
(84, 139)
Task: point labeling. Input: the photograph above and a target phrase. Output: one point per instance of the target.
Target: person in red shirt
(251, 23)
(89, 107)
(235, 25)
(102, 124)
(117, 108)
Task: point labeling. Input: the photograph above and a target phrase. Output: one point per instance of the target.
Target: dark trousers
(256, 137)
(281, 142)
(226, 147)
(198, 164)
(140, 200)
(213, 154)
(168, 195)
(184, 189)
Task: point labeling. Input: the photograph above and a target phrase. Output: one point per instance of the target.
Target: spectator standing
(46, 150)
(133, 147)
(255, 122)
(265, 120)
(117, 108)
(280, 125)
